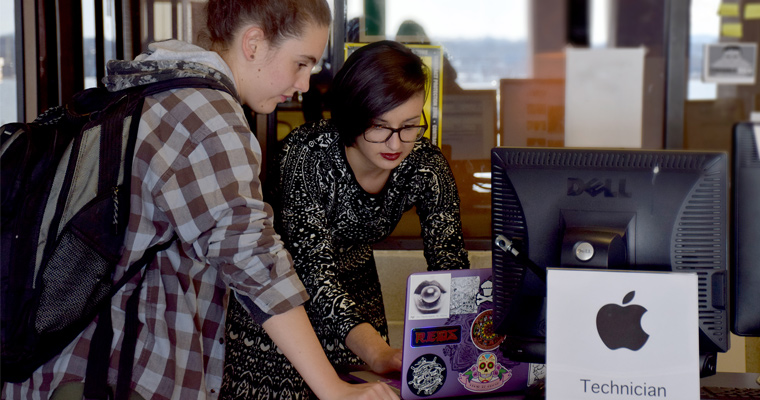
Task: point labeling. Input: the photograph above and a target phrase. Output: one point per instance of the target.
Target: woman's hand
(366, 391)
(386, 360)
(366, 342)
(292, 333)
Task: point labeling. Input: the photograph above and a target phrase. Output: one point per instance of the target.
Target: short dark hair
(279, 19)
(375, 79)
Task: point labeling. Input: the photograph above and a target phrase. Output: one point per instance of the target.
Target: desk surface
(721, 379)
(732, 379)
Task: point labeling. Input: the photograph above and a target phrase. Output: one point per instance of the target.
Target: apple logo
(620, 326)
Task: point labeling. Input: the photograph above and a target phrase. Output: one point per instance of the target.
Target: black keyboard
(729, 393)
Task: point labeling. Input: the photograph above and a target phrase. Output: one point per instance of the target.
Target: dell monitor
(745, 243)
(622, 209)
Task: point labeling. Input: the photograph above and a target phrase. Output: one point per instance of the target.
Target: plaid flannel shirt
(195, 174)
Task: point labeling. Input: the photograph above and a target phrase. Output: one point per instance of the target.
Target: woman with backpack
(195, 176)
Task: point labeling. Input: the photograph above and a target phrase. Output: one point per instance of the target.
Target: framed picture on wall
(731, 63)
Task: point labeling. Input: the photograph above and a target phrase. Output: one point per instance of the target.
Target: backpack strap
(96, 381)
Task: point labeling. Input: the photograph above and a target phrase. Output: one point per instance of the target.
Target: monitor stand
(708, 364)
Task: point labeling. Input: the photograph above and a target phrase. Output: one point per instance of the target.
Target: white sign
(622, 335)
(604, 98)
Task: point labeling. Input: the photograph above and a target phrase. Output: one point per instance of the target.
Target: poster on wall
(432, 56)
(730, 63)
(533, 112)
(604, 97)
(469, 124)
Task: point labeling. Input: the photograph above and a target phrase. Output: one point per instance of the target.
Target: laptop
(450, 348)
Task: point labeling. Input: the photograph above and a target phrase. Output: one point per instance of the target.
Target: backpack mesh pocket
(75, 281)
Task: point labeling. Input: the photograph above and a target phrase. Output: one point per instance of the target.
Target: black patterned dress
(329, 224)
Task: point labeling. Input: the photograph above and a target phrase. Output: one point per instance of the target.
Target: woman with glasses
(343, 186)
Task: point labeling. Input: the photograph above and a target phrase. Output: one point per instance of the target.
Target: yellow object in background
(729, 10)
(733, 29)
(752, 11)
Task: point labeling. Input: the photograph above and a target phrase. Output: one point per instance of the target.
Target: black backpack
(64, 216)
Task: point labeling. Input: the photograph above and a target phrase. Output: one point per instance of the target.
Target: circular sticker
(482, 332)
(426, 375)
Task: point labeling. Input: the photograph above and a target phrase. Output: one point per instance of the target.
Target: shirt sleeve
(332, 309)
(438, 208)
(211, 194)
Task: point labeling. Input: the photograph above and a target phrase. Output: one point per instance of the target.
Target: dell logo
(576, 187)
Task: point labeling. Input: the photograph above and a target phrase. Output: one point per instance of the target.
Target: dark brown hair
(375, 79)
(279, 19)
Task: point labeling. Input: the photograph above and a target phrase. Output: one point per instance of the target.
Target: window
(495, 53)
(704, 26)
(482, 43)
(178, 19)
(505, 77)
(9, 112)
(89, 40)
(713, 107)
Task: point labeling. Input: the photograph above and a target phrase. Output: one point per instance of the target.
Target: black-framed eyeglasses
(407, 133)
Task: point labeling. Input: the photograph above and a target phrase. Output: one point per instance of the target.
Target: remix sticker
(482, 332)
(436, 336)
(426, 375)
(486, 375)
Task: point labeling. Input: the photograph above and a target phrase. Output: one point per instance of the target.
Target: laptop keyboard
(729, 393)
